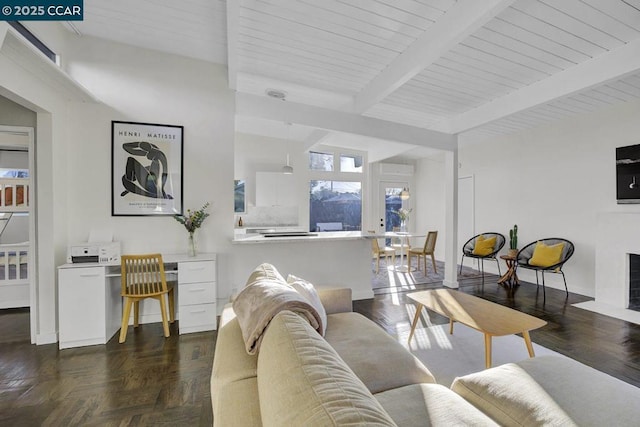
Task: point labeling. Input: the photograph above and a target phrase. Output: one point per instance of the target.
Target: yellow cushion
(484, 246)
(546, 256)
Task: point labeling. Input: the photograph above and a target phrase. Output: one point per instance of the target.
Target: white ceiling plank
(342, 53)
(502, 52)
(617, 93)
(578, 9)
(431, 9)
(365, 16)
(266, 108)
(312, 35)
(421, 20)
(568, 23)
(465, 17)
(233, 17)
(550, 63)
(473, 63)
(623, 85)
(546, 30)
(328, 21)
(551, 47)
(607, 67)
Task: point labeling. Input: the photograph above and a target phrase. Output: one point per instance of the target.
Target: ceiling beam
(322, 118)
(315, 138)
(233, 18)
(613, 65)
(462, 20)
(4, 27)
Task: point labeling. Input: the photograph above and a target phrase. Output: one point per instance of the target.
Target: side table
(510, 278)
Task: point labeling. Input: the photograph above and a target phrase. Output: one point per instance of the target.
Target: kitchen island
(338, 258)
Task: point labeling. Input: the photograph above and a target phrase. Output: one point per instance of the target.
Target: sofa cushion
(302, 381)
(238, 405)
(430, 405)
(234, 363)
(550, 390)
(377, 359)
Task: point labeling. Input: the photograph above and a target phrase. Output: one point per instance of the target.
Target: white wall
(553, 181)
(152, 87)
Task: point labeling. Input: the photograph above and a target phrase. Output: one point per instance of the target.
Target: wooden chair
(428, 249)
(378, 252)
(143, 277)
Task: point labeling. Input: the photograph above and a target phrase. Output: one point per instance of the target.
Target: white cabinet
(197, 296)
(275, 189)
(87, 309)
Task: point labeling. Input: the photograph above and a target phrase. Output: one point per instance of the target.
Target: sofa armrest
(335, 300)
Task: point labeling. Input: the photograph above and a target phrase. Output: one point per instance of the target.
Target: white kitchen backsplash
(273, 216)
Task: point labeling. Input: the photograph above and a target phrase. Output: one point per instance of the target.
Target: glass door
(389, 204)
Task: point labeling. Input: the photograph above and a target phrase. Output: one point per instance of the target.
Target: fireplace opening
(634, 282)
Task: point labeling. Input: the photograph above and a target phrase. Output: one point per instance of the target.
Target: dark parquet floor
(150, 380)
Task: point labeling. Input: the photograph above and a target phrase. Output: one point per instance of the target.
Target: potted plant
(513, 241)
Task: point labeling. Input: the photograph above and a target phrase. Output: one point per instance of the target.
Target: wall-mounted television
(628, 174)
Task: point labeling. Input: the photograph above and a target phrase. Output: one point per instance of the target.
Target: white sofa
(359, 375)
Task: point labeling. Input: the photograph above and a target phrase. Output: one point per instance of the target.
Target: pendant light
(287, 169)
(404, 194)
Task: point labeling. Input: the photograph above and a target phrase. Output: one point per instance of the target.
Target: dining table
(404, 237)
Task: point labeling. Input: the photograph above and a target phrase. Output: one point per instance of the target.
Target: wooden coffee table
(485, 316)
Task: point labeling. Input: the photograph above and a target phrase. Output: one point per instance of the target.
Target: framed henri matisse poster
(146, 169)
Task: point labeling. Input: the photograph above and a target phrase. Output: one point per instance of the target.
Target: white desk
(90, 305)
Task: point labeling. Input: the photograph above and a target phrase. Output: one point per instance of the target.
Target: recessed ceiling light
(276, 93)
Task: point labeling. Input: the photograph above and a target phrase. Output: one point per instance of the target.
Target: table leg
(415, 322)
(450, 326)
(487, 350)
(527, 341)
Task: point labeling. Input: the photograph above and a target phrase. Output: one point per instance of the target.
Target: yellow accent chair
(546, 255)
(483, 246)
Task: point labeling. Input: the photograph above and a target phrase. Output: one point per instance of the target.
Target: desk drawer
(196, 271)
(196, 293)
(194, 318)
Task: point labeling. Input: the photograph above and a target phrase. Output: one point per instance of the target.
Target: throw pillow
(484, 246)
(546, 256)
(308, 291)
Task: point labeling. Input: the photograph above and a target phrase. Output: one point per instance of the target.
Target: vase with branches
(192, 221)
(403, 214)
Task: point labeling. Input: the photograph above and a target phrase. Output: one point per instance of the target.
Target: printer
(98, 252)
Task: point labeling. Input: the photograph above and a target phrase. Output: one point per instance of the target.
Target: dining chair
(142, 276)
(378, 252)
(428, 249)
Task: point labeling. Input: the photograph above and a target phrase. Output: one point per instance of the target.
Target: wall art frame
(146, 169)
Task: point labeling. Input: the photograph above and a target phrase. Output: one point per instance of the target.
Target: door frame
(29, 132)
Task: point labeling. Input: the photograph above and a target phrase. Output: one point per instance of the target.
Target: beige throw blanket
(260, 301)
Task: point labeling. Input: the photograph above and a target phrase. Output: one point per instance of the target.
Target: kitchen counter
(257, 238)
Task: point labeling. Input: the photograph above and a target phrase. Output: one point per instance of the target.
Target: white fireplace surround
(617, 236)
